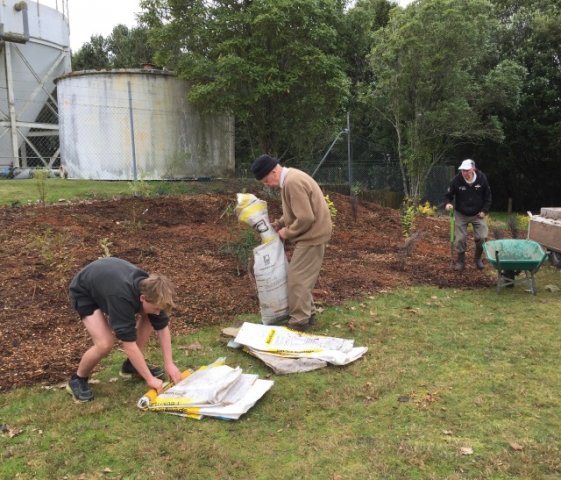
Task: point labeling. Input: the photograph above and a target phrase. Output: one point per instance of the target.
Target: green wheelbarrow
(510, 257)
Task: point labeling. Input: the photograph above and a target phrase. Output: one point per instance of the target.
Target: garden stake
(452, 228)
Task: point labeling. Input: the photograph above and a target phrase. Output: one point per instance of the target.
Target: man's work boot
(478, 253)
(460, 262)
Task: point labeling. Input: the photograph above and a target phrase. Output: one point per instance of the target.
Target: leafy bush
(426, 209)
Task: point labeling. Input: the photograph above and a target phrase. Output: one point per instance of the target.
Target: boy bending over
(108, 294)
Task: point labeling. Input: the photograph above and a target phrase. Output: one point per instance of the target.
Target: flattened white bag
(270, 262)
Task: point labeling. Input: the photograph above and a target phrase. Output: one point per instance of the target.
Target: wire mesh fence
(36, 143)
(371, 172)
(40, 148)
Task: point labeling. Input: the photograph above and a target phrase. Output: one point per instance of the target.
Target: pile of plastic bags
(288, 351)
(215, 390)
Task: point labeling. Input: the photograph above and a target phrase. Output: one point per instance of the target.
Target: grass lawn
(455, 385)
(14, 192)
(52, 190)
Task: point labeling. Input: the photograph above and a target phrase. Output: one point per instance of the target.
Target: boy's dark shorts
(84, 306)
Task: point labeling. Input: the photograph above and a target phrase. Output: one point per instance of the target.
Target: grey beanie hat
(263, 166)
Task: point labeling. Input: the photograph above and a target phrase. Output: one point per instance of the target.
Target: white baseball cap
(467, 164)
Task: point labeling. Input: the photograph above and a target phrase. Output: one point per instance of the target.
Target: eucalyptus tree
(361, 21)
(274, 64)
(438, 81)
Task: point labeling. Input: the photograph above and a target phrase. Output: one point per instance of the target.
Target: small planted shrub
(40, 177)
(407, 214)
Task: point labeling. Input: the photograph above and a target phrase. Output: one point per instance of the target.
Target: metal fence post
(349, 155)
(132, 133)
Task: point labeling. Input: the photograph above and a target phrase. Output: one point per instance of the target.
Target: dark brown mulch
(41, 248)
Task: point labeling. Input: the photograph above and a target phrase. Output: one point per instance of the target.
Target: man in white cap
(306, 222)
(472, 195)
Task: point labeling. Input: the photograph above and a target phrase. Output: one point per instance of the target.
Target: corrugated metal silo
(137, 124)
(35, 50)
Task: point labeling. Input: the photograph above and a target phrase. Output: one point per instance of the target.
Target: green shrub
(40, 177)
(241, 249)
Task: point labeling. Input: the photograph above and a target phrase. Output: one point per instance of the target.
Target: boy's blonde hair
(158, 290)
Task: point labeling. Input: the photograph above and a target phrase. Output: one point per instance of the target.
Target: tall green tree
(528, 162)
(361, 22)
(129, 47)
(371, 137)
(124, 48)
(274, 64)
(438, 82)
(92, 56)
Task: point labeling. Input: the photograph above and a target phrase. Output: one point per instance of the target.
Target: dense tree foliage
(92, 56)
(274, 64)
(371, 138)
(432, 83)
(124, 48)
(526, 165)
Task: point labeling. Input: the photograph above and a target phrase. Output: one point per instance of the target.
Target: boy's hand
(156, 384)
(173, 373)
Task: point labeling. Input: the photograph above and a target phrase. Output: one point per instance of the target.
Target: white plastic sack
(284, 365)
(270, 263)
(284, 342)
(271, 277)
(206, 387)
(214, 390)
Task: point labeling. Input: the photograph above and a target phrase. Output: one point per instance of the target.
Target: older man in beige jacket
(306, 222)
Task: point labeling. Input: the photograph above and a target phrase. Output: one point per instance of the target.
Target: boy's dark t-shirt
(113, 285)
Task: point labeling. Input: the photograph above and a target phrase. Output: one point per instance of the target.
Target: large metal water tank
(137, 124)
(34, 50)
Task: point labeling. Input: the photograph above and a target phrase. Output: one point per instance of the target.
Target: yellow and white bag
(270, 263)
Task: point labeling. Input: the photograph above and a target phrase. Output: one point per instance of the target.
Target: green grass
(475, 369)
(22, 192)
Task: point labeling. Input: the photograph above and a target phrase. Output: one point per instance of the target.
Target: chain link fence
(41, 146)
(37, 143)
(374, 172)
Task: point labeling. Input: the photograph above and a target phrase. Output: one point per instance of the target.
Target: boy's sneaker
(79, 389)
(128, 371)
